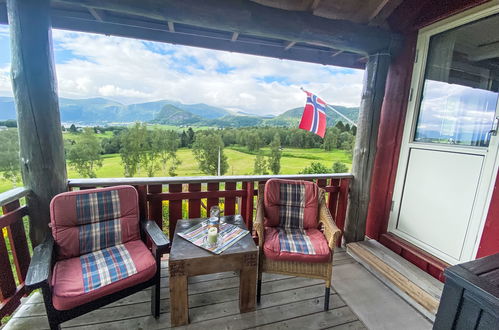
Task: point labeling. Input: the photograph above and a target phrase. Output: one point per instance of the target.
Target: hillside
(171, 115)
(98, 111)
(292, 117)
(101, 111)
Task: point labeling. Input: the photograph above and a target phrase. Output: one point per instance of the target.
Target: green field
(240, 163)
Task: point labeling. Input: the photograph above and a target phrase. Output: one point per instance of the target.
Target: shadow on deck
(287, 303)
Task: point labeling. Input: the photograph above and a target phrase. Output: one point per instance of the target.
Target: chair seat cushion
(311, 244)
(79, 280)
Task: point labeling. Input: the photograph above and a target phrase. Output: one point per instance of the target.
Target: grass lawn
(240, 163)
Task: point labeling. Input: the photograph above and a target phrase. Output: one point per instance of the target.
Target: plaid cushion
(98, 216)
(106, 266)
(295, 241)
(292, 203)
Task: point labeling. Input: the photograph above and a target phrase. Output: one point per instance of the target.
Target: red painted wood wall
(489, 243)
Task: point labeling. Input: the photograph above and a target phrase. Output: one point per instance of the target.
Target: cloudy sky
(133, 71)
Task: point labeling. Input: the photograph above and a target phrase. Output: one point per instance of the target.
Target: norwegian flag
(314, 115)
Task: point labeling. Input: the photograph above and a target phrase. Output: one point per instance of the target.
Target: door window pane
(460, 91)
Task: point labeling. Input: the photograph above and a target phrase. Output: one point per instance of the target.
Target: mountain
(171, 115)
(95, 111)
(101, 111)
(292, 117)
(236, 121)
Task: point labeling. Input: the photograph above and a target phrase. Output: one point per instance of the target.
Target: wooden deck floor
(287, 303)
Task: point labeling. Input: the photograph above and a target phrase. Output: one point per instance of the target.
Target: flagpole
(218, 161)
(342, 115)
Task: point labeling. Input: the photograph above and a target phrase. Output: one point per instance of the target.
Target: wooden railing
(14, 250)
(191, 197)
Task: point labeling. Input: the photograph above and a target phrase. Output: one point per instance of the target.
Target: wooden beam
(250, 18)
(383, 11)
(35, 92)
(235, 35)
(289, 44)
(97, 14)
(171, 27)
(365, 146)
(219, 41)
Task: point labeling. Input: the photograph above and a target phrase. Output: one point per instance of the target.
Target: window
(461, 85)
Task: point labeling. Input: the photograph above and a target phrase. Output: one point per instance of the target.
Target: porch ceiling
(334, 32)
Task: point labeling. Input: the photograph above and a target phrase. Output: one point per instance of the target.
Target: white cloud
(132, 71)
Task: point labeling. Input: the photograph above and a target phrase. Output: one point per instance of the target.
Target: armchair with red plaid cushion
(96, 253)
(296, 233)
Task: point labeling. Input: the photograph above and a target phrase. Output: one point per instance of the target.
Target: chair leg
(326, 299)
(52, 317)
(258, 291)
(155, 289)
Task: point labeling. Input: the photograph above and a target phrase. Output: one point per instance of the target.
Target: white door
(449, 149)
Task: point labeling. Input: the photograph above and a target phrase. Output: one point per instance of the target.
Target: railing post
(155, 211)
(18, 242)
(248, 217)
(7, 282)
(342, 206)
(230, 202)
(212, 186)
(142, 192)
(332, 202)
(175, 211)
(195, 203)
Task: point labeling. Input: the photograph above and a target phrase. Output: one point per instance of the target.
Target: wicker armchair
(303, 268)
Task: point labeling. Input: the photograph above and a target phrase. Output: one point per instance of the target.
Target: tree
(133, 145)
(261, 165)
(346, 141)
(331, 139)
(85, 155)
(253, 141)
(316, 168)
(73, 129)
(275, 155)
(339, 167)
(190, 137)
(9, 159)
(164, 144)
(205, 148)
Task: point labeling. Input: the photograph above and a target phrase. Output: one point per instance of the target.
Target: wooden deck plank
(355, 325)
(213, 300)
(318, 320)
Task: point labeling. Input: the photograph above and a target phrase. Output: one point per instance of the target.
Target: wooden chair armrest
(156, 235)
(40, 267)
(331, 231)
(258, 223)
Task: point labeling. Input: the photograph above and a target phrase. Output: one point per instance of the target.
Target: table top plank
(184, 250)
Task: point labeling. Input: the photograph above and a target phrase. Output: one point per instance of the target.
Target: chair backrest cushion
(89, 220)
(291, 204)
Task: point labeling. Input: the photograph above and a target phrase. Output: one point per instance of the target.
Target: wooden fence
(235, 192)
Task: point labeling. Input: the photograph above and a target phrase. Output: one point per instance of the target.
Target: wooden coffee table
(187, 259)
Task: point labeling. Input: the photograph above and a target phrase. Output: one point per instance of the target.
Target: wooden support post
(365, 145)
(35, 91)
